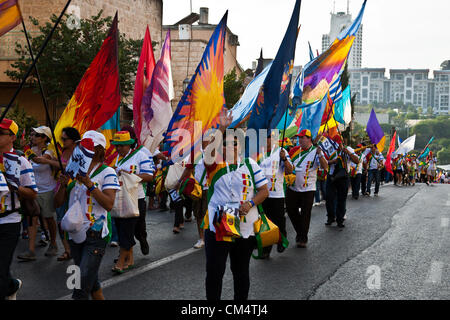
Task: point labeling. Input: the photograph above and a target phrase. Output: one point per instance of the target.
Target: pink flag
(143, 78)
(156, 108)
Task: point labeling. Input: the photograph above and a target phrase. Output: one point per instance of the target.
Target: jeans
(217, 252)
(337, 199)
(300, 220)
(320, 189)
(88, 256)
(9, 236)
(373, 174)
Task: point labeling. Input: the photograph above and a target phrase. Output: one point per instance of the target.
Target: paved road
(394, 246)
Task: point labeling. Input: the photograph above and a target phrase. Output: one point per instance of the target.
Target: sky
(397, 34)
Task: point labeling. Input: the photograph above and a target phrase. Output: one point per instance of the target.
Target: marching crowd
(292, 178)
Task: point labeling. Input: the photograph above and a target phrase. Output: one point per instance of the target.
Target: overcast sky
(397, 33)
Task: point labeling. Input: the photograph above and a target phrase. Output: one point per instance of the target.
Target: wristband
(92, 188)
(252, 203)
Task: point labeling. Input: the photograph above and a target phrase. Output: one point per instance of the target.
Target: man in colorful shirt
(374, 162)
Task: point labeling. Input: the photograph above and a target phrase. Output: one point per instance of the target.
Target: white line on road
(444, 222)
(435, 272)
(133, 273)
(448, 203)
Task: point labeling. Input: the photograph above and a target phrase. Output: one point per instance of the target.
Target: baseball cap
(96, 137)
(44, 130)
(8, 124)
(304, 133)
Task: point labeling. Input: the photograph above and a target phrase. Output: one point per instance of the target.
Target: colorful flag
(243, 108)
(97, 96)
(156, 110)
(341, 106)
(273, 97)
(108, 130)
(10, 16)
(389, 155)
(426, 150)
(201, 103)
(328, 146)
(143, 80)
(313, 115)
(320, 73)
(11, 168)
(375, 132)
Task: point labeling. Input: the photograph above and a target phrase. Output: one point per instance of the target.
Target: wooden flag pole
(44, 100)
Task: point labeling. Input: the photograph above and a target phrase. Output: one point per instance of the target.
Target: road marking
(133, 273)
(435, 272)
(448, 203)
(444, 222)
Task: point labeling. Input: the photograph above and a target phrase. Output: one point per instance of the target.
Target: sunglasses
(39, 135)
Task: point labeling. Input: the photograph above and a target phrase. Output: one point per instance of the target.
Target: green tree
(233, 87)
(444, 156)
(24, 122)
(69, 54)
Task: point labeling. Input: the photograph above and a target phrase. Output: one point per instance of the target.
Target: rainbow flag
(156, 110)
(10, 16)
(97, 96)
(320, 73)
(143, 79)
(202, 102)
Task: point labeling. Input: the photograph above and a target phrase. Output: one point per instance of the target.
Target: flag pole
(30, 69)
(44, 100)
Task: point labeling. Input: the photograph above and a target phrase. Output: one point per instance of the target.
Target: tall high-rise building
(339, 22)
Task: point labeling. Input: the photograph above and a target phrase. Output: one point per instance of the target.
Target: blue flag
(312, 116)
(273, 97)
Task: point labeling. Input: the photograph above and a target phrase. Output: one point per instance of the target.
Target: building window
(374, 76)
(399, 76)
(418, 76)
(444, 100)
(408, 95)
(365, 81)
(444, 78)
(364, 93)
(356, 75)
(408, 82)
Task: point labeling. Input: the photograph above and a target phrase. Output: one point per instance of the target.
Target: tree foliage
(233, 87)
(69, 54)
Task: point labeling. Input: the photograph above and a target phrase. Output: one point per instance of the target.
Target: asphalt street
(394, 246)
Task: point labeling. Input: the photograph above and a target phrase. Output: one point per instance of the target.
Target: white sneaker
(114, 244)
(200, 244)
(14, 295)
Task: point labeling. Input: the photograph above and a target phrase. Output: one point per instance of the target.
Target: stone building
(134, 15)
(188, 42)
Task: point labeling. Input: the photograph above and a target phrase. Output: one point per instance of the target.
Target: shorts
(125, 231)
(45, 201)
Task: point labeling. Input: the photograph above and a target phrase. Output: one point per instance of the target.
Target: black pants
(274, 209)
(336, 202)
(187, 203)
(140, 230)
(9, 236)
(373, 175)
(363, 182)
(179, 218)
(356, 185)
(217, 252)
(300, 220)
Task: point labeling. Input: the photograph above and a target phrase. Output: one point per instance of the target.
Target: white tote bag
(72, 221)
(126, 202)
(173, 175)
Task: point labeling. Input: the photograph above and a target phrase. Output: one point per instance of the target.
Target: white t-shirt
(26, 180)
(138, 163)
(199, 173)
(374, 160)
(231, 186)
(106, 179)
(305, 166)
(357, 166)
(274, 169)
(43, 173)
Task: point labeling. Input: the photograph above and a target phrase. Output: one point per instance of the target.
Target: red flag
(388, 158)
(97, 96)
(143, 78)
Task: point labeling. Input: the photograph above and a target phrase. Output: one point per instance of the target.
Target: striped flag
(10, 16)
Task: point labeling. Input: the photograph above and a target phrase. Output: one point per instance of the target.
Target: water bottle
(98, 225)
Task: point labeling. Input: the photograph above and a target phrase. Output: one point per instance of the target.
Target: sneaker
(376, 194)
(14, 295)
(329, 222)
(52, 251)
(341, 225)
(200, 244)
(27, 256)
(114, 244)
(345, 217)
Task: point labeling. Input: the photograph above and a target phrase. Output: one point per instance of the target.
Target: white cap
(44, 130)
(98, 138)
